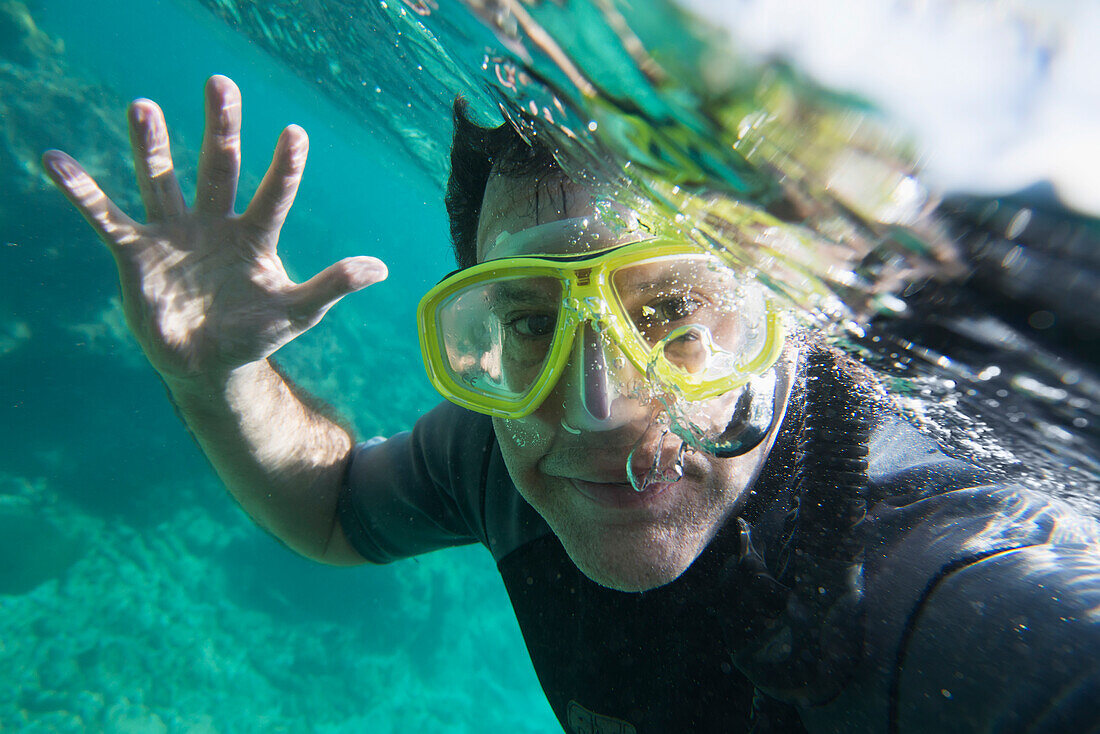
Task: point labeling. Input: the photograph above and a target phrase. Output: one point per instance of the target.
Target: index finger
(110, 223)
(279, 186)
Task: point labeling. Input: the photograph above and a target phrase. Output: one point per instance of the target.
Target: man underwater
(792, 557)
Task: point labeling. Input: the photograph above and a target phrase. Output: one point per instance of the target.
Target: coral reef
(146, 633)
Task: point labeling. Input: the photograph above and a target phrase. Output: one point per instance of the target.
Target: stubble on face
(631, 548)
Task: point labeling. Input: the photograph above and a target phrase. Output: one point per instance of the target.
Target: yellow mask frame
(587, 296)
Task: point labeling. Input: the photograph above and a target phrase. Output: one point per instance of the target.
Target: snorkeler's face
(569, 461)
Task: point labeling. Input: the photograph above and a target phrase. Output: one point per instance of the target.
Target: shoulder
(982, 598)
(1008, 642)
(940, 516)
(946, 510)
(480, 478)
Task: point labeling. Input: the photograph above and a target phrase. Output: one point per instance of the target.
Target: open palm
(203, 289)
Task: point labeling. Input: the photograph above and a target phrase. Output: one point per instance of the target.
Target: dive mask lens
(703, 330)
(495, 335)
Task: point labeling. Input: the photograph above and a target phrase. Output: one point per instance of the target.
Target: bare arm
(283, 461)
(208, 299)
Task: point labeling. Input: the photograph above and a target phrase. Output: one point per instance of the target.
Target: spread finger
(156, 175)
(115, 228)
(220, 162)
(276, 193)
(312, 298)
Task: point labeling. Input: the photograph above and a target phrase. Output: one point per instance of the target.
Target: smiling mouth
(620, 495)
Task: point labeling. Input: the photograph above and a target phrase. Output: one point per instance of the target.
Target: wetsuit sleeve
(421, 490)
(981, 608)
(1010, 643)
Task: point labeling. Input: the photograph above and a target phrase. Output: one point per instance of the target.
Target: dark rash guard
(981, 606)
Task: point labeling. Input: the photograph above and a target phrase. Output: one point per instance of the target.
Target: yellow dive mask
(496, 337)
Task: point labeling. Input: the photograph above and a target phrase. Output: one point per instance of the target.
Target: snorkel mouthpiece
(729, 425)
(752, 418)
(725, 427)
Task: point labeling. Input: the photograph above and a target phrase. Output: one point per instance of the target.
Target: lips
(599, 472)
(619, 495)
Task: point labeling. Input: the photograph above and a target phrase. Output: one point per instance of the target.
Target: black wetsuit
(980, 608)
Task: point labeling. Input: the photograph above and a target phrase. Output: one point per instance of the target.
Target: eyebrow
(629, 281)
(512, 294)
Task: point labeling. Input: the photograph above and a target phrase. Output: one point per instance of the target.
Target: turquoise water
(134, 596)
(156, 605)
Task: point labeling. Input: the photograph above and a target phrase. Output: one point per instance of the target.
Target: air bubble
(657, 471)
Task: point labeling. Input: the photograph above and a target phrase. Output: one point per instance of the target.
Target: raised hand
(203, 289)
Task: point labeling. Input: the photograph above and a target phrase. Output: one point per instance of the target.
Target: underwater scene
(914, 183)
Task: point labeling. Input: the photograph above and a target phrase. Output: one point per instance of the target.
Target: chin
(629, 560)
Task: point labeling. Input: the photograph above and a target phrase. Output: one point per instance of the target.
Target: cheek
(523, 444)
(523, 441)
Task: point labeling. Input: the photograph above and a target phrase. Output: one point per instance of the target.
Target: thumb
(319, 293)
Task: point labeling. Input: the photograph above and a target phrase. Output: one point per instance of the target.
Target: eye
(532, 326)
(670, 308)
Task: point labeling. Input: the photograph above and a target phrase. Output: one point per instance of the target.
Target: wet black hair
(476, 152)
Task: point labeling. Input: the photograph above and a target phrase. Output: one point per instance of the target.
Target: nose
(593, 392)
